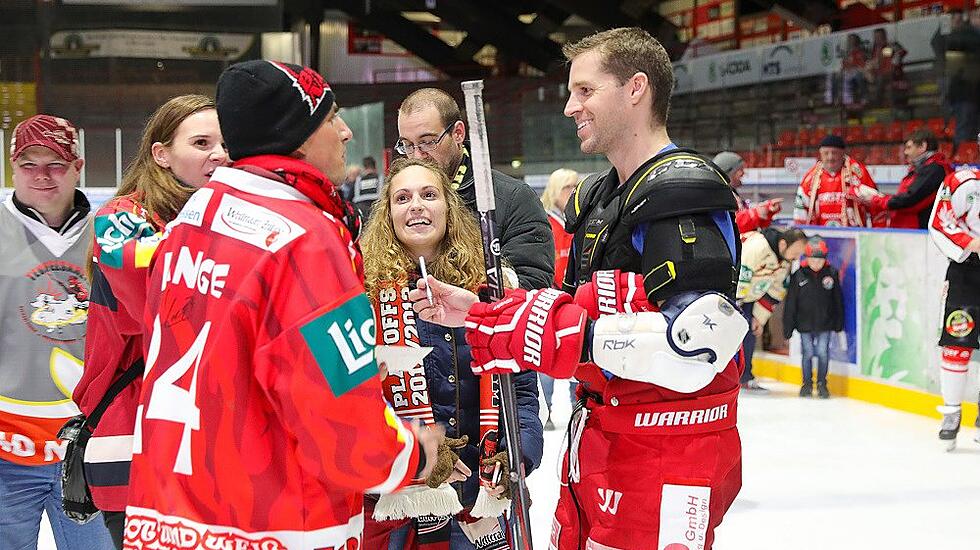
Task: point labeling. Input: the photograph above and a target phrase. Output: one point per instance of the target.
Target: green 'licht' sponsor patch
(342, 343)
(113, 231)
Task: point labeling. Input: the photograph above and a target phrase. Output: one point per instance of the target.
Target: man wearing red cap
(826, 196)
(261, 422)
(815, 308)
(43, 308)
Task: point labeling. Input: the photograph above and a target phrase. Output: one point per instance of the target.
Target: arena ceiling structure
(524, 36)
(528, 33)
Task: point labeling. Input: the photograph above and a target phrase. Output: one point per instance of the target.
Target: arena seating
(875, 143)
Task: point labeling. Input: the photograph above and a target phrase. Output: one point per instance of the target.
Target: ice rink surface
(831, 474)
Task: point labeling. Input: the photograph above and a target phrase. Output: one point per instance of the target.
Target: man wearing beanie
(44, 233)
(748, 218)
(261, 421)
(826, 196)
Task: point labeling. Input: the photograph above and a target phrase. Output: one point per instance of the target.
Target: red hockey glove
(539, 330)
(613, 292)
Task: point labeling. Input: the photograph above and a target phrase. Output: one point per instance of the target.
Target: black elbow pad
(687, 253)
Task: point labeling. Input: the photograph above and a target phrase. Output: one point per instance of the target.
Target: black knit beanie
(833, 141)
(270, 108)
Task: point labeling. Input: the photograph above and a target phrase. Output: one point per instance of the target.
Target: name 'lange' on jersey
(196, 272)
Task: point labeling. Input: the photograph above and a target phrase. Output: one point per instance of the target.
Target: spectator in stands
(450, 394)
(911, 205)
(814, 307)
(826, 194)
(963, 97)
(179, 150)
(884, 70)
(766, 259)
(561, 185)
(748, 218)
(44, 298)
(855, 90)
(431, 127)
(963, 87)
(366, 187)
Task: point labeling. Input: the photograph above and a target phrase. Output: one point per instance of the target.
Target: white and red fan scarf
(408, 394)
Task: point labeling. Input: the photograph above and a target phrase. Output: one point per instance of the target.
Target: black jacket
(814, 302)
(454, 392)
(522, 225)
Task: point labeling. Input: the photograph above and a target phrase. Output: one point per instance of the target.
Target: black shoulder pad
(582, 200)
(677, 183)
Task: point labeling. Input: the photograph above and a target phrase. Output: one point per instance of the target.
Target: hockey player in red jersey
(955, 228)
(654, 458)
(261, 422)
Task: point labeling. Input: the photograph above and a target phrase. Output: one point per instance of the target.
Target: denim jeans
(815, 344)
(548, 388)
(748, 344)
(28, 491)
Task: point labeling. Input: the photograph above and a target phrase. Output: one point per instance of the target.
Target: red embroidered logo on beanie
(312, 88)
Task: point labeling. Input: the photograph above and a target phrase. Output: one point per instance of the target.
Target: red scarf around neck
(309, 181)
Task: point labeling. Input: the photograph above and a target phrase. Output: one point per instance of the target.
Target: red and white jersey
(955, 219)
(124, 240)
(261, 421)
(821, 198)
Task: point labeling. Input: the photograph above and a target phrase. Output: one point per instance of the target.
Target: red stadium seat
(946, 148)
(892, 154)
(950, 129)
(911, 126)
(816, 135)
(854, 134)
(895, 132)
(876, 155)
(787, 139)
(937, 126)
(859, 154)
(876, 132)
(803, 136)
(968, 151)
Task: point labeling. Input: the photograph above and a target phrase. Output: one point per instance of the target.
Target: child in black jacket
(814, 307)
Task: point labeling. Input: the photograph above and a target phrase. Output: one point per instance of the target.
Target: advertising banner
(150, 44)
(900, 277)
(842, 254)
(911, 41)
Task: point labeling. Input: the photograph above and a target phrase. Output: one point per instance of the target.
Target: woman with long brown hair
(418, 217)
(179, 150)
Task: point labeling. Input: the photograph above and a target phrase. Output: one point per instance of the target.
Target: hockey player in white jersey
(955, 228)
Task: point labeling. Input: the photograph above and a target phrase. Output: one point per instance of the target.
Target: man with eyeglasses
(431, 127)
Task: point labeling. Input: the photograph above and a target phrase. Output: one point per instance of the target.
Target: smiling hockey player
(654, 457)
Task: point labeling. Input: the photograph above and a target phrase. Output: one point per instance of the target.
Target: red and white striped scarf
(408, 394)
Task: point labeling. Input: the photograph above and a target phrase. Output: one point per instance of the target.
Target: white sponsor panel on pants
(684, 516)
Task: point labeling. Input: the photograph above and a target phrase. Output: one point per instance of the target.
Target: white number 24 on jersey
(168, 401)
